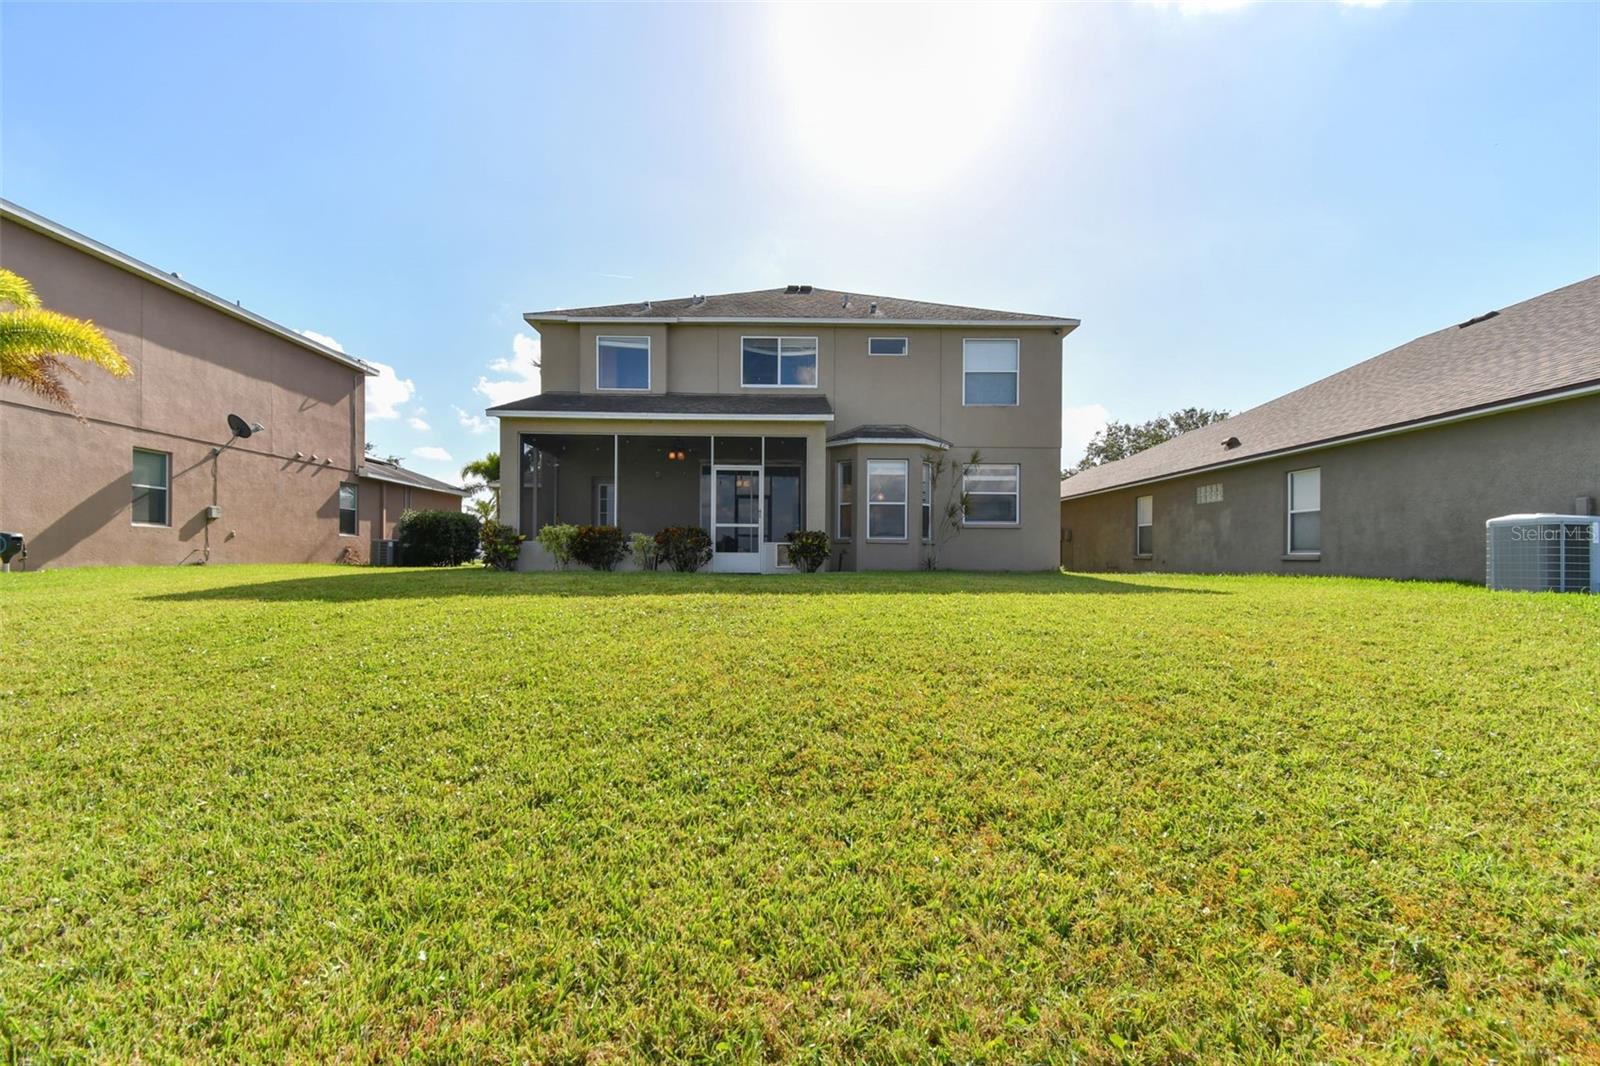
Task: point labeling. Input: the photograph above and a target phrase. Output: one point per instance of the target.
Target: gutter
(641, 416)
(106, 254)
(1467, 414)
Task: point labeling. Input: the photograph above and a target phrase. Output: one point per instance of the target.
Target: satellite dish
(240, 427)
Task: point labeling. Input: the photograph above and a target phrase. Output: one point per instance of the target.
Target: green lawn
(305, 812)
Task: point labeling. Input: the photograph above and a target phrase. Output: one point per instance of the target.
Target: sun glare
(900, 97)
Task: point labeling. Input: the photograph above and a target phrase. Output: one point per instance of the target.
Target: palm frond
(15, 290)
(32, 333)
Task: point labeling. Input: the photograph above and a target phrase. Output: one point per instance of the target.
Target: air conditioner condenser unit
(1544, 552)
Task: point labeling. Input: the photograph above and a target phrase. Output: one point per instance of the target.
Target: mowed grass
(271, 813)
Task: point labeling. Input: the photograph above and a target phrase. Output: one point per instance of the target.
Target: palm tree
(480, 472)
(483, 474)
(35, 343)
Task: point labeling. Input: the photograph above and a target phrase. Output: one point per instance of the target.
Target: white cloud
(472, 423)
(322, 339)
(418, 424)
(428, 451)
(1078, 427)
(387, 392)
(1202, 7)
(519, 375)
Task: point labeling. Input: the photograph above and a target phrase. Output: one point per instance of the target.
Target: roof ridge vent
(805, 289)
(647, 305)
(846, 301)
(1475, 321)
(697, 299)
(872, 308)
(790, 290)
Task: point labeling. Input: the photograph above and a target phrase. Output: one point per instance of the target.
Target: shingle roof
(879, 431)
(797, 302)
(710, 405)
(1548, 344)
(381, 470)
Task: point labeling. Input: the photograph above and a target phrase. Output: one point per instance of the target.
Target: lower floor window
(1143, 524)
(347, 509)
(927, 503)
(151, 487)
(993, 493)
(1305, 510)
(886, 498)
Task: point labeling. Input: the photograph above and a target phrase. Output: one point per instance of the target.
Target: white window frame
(927, 502)
(649, 358)
(1138, 525)
(166, 489)
(355, 511)
(904, 503)
(605, 499)
(1017, 341)
(816, 353)
(1290, 511)
(966, 520)
(905, 348)
(842, 532)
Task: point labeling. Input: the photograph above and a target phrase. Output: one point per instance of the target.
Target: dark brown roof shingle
(711, 405)
(768, 305)
(1548, 344)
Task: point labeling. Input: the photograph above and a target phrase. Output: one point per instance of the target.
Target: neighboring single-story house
(140, 477)
(1387, 469)
(389, 490)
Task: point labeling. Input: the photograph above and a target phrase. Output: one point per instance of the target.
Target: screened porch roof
(669, 406)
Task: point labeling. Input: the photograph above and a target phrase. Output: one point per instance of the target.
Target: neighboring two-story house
(150, 473)
(756, 414)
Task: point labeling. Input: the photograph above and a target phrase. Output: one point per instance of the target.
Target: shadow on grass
(385, 584)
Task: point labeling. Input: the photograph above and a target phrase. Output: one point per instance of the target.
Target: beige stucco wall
(66, 484)
(1411, 505)
(921, 389)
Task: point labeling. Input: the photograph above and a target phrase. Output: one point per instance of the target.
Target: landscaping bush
(501, 545)
(599, 547)
(645, 553)
(557, 540)
(809, 548)
(684, 548)
(437, 538)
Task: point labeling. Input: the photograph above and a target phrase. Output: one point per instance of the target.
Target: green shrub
(437, 538)
(599, 547)
(684, 548)
(557, 540)
(809, 548)
(501, 545)
(643, 548)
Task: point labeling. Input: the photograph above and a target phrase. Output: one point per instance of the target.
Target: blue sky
(1236, 199)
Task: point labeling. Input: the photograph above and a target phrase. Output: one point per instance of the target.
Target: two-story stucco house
(150, 473)
(755, 414)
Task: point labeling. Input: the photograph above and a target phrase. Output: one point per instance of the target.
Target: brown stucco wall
(1411, 505)
(922, 389)
(66, 484)
(379, 505)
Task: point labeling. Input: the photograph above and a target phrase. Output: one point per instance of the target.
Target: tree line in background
(1118, 440)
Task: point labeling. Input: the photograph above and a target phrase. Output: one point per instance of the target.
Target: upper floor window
(777, 362)
(347, 509)
(888, 346)
(152, 485)
(989, 372)
(1305, 511)
(993, 492)
(622, 363)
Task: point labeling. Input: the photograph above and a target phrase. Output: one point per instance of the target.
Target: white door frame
(738, 562)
